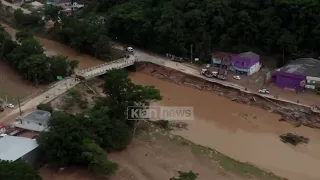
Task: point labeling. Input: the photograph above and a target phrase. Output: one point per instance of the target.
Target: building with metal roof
(14, 148)
(249, 54)
(35, 121)
(299, 73)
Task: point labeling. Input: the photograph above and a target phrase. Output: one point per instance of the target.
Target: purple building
(246, 63)
(298, 74)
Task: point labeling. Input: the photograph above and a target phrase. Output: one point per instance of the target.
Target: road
(188, 69)
(13, 6)
(53, 92)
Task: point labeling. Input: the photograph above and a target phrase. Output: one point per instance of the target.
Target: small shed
(13, 148)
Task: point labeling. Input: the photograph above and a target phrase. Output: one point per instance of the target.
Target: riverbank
(295, 114)
(240, 131)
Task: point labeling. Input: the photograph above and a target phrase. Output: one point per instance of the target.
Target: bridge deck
(103, 68)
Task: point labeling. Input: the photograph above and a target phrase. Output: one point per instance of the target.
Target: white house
(35, 121)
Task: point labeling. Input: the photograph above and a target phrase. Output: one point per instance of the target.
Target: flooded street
(245, 133)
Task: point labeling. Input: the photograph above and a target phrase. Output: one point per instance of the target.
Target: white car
(237, 77)
(264, 91)
(130, 49)
(10, 105)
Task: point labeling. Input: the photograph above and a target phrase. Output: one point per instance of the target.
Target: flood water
(242, 132)
(55, 48)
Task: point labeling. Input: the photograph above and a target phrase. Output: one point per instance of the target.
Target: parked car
(264, 91)
(10, 106)
(177, 59)
(237, 77)
(130, 49)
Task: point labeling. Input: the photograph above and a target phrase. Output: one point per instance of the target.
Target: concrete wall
(30, 125)
(30, 157)
(254, 68)
(288, 80)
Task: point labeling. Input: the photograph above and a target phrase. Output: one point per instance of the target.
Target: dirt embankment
(295, 114)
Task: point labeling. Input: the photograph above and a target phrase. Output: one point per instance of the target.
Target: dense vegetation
(17, 170)
(26, 56)
(287, 28)
(86, 138)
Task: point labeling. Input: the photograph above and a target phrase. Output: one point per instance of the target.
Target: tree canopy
(283, 27)
(86, 138)
(271, 27)
(26, 55)
(17, 170)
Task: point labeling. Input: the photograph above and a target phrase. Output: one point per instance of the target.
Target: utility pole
(19, 106)
(191, 52)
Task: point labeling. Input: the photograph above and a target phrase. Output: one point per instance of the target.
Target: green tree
(27, 20)
(22, 35)
(51, 12)
(17, 170)
(45, 107)
(185, 176)
(122, 93)
(98, 159)
(62, 145)
(28, 58)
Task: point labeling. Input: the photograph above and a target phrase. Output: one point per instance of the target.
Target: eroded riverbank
(254, 137)
(295, 114)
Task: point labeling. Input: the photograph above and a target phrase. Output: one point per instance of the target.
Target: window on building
(242, 63)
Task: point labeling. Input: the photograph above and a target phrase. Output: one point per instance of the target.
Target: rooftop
(305, 66)
(12, 147)
(249, 54)
(38, 116)
(221, 55)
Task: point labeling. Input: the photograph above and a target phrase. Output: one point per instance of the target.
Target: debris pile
(294, 139)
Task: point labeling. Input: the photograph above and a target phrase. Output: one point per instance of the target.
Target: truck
(208, 74)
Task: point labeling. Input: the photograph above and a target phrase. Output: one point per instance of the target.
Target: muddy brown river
(245, 133)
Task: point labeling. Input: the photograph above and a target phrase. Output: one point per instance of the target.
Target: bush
(45, 107)
(186, 176)
(294, 139)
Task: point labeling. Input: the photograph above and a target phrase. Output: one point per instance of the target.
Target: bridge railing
(114, 65)
(102, 65)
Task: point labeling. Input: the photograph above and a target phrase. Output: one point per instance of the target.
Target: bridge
(13, 7)
(104, 68)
